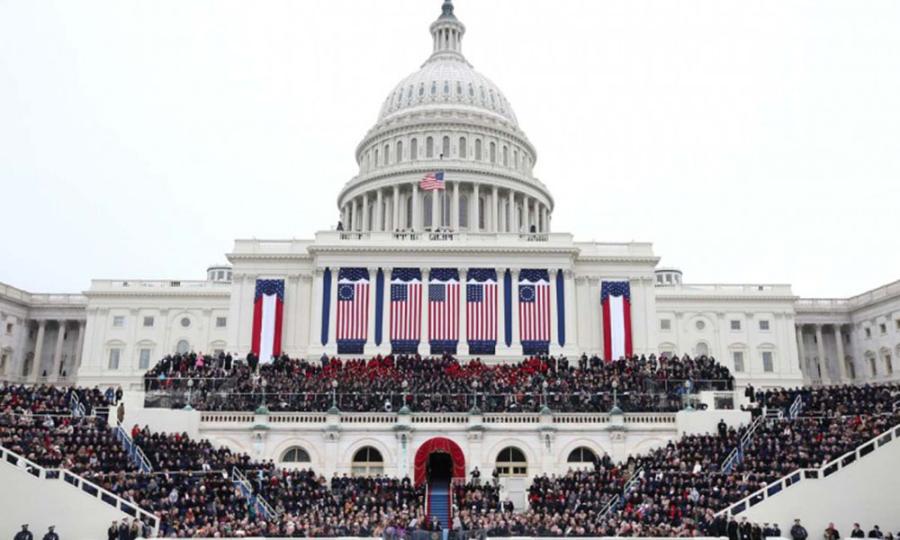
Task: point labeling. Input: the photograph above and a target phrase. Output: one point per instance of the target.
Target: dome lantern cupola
(447, 32)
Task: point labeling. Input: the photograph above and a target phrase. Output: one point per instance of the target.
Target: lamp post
(334, 408)
(404, 409)
(474, 409)
(262, 409)
(190, 385)
(687, 397)
(615, 408)
(545, 409)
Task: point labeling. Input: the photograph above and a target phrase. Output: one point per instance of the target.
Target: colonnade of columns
(461, 206)
(822, 361)
(33, 372)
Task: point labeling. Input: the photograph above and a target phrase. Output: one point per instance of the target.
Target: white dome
(447, 81)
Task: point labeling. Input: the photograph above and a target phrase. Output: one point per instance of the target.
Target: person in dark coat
(24, 534)
(51, 534)
(723, 428)
(857, 531)
(112, 533)
(876, 533)
(831, 533)
(732, 529)
(745, 529)
(798, 532)
(124, 531)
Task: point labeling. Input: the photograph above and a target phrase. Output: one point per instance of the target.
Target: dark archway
(429, 458)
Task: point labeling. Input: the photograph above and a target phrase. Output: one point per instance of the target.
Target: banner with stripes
(406, 310)
(268, 315)
(534, 311)
(481, 310)
(443, 310)
(615, 298)
(352, 310)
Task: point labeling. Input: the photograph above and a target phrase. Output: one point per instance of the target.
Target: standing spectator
(112, 533)
(723, 428)
(120, 412)
(876, 533)
(798, 532)
(831, 533)
(857, 531)
(51, 535)
(476, 476)
(24, 534)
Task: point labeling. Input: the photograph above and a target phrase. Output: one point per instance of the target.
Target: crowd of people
(438, 384)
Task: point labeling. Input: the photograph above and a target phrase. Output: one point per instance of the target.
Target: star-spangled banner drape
(443, 310)
(534, 311)
(615, 298)
(481, 310)
(406, 310)
(268, 316)
(352, 310)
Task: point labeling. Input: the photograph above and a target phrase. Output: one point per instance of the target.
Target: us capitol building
(492, 224)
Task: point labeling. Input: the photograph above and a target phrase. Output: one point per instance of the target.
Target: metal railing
(83, 485)
(737, 455)
(246, 488)
(135, 453)
(796, 407)
(824, 471)
(618, 500)
(75, 405)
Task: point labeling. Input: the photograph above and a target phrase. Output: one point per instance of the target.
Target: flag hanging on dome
(268, 309)
(615, 297)
(433, 181)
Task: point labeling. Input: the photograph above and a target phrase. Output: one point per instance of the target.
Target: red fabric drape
(442, 445)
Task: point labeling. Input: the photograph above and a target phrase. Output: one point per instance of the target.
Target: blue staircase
(439, 502)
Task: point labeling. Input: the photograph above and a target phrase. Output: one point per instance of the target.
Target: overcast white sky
(750, 141)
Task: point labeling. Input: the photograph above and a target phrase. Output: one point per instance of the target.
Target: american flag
(406, 306)
(481, 305)
(534, 306)
(432, 181)
(353, 305)
(615, 298)
(268, 316)
(443, 305)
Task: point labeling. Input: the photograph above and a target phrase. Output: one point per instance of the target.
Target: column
(395, 202)
(554, 315)
(463, 347)
(571, 325)
(379, 212)
(820, 346)
(53, 375)
(331, 347)
(38, 351)
(435, 210)
(424, 345)
(79, 348)
(501, 315)
(801, 350)
(495, 210)
(386, 313)
(344, 215)
(354, 217)
(454, 208)
(365, 213)
(370, 334)
(842, 363)
(516, 342)
(315, 311)
(416, 226)
(544, 227)
(474, 222)
(512, 225)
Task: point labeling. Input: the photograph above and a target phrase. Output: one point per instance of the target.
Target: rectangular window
(144, 360)
(888, 364)
(868, 332)
(114, 355)
(738, 357)
(9, 328)
(665, 324)
(221, 322)
(148, 322)
(851, 369)
(883, 328)
(897, 322)
(764, 325)
(768, 365)
(735, 325)
(118, 321)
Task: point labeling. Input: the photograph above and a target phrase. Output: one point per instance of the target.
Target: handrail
(75, 405)
(798, 475)
(135, 452)
(796, 407)
(619, 499)
(83, 485)
(239, 478)
(737, 455)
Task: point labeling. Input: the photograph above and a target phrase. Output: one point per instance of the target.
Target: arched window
(295, 454)
(414, 149)
(478, 149)
(387, 154)
(505, 156)
(516, 159)
(463, 211)
(367, 461)
(445, 147)
(493, 152)
(702, 349)
(429, 147)
(427, 202)
(462, 148)
(375, 161)
(511, 462)
(399, 151)
(182, 347)
(582, 454)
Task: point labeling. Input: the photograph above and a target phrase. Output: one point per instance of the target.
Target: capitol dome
(446, 118)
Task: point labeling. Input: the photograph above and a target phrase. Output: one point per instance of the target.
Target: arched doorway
(440, 457)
